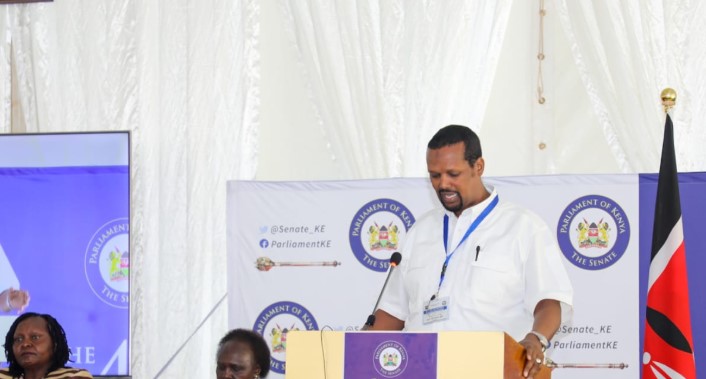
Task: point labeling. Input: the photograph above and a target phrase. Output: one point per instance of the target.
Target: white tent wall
(214, 90)
(181, 76)
(599, 117)
(293, 146)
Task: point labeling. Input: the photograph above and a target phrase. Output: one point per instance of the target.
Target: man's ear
(479, 167)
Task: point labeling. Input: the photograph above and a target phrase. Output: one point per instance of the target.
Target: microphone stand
(394, 261)
(371, 319)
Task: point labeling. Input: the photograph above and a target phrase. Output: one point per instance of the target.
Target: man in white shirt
(480, 264)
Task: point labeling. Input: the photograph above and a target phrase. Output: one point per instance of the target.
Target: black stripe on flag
(668, 206)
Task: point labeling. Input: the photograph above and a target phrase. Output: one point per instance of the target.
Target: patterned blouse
(62, 373)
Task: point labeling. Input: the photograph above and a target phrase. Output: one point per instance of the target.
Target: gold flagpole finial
(669, 99)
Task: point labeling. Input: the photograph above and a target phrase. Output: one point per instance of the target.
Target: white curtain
(181, 75)
(384, 75)
(626, 53)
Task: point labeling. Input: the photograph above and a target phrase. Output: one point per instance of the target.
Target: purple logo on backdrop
(376, 231)
(107, 263)
(390, 359)
(275, 321)
(593, 232)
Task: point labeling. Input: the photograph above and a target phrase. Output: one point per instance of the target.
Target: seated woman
(242, 354)
(36, 347)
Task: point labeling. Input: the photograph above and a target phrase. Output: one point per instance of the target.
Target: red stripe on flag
(661, 354)
(670, 294)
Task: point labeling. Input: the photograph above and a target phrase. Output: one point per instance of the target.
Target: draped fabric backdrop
(627, 52)
(379, 85)
(379, 76)
(384, 75)
(182, 76)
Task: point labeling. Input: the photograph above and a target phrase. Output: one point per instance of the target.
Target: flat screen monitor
(65, 239)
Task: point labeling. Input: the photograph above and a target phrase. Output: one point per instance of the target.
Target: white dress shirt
(518, 265)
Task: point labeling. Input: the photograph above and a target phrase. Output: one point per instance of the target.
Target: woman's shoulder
(62, 373)
(68, 373)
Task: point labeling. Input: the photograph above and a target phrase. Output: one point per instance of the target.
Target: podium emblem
(390, 359)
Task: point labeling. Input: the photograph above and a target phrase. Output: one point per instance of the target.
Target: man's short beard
(455, 209)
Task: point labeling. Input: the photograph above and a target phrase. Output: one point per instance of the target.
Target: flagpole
(668, 343)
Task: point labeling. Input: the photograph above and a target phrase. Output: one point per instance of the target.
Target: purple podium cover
(390, 355)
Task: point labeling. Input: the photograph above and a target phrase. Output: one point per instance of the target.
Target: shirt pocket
(493, 279)
(493, 262)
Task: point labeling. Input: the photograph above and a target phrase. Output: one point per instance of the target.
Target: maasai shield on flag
(668, 343)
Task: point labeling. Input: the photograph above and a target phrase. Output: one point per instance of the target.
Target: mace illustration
(265, 264)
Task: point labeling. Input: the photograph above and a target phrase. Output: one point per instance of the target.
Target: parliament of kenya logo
(593, 232)
(390, 359)
(275, 321)
(107, 263)
(376, 231)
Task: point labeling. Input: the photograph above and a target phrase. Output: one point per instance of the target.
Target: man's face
(236, 360)
(455, 181)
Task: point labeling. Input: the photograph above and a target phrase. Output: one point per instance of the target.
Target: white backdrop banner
(314, 255)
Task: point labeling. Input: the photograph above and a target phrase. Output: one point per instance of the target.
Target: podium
(487, 355)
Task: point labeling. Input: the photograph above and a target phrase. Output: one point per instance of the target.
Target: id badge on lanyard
(436, 310)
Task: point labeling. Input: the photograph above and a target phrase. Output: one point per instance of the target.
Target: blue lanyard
(470, 230)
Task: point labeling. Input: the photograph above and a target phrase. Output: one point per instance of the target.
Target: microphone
(395, 260)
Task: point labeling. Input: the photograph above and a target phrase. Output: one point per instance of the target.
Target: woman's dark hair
(256, 343)
(61, 352)
(453, 134)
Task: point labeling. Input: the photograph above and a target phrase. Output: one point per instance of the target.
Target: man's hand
(534, 357)
(14, 299)
(547, 318)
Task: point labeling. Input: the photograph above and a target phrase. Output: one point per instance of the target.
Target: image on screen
(65, 239)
